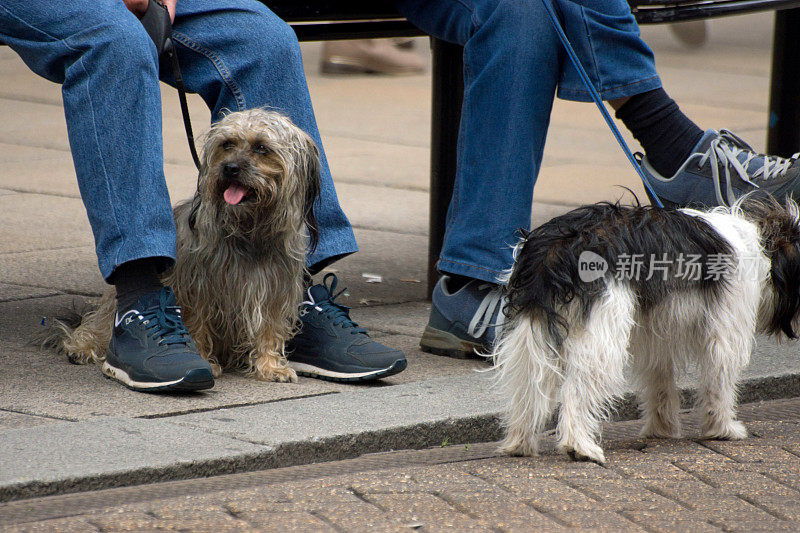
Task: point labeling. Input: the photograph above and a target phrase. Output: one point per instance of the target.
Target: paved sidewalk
(653, 485)
(57, 420)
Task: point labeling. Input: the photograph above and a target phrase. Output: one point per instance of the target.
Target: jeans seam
(592, 54)
(31, 26)
(476, 23)
(109, 185)
(227, 78)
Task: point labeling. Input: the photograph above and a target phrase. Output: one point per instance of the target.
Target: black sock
(135, 279)
(456, 282)
(665, 133)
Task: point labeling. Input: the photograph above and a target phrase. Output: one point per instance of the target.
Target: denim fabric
(235, 53)
(513, 66)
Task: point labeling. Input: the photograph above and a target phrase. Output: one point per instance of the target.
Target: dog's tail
(84, 337)
(528, 375)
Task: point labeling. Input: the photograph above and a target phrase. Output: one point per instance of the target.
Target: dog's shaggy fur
(567, 341)
(239, 270)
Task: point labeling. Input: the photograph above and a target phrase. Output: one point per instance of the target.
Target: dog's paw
(590, 453)
(518, 446)
(731, 430)
(216, 369)
(660, 430)
(281, 374)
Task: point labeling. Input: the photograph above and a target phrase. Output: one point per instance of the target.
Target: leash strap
(169, 49)
(596, 97)
(158, 25)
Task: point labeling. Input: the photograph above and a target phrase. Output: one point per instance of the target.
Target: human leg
(108, 71)
(106, 64)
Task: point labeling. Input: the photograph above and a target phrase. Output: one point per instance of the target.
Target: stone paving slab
(65, 226)
(12, 420)
(52, 173)
(77, 392)
(458, 487)
(362, 161)
(74, 269)
(107, 447)
(9, 292)
(380, 409)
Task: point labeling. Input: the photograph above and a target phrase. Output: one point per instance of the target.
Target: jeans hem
(619, 91)
(446, 266)
(107, 269)
(323, 257)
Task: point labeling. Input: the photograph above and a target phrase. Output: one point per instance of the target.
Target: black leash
(158, 26)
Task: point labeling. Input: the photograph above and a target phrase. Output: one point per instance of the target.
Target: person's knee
(271, 42)
(123, 44)
(517, 31)
(516, 18)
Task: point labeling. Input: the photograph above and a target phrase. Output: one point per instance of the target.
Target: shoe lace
(338, 314)
(164, 322)
(482, 318)
(726, 149)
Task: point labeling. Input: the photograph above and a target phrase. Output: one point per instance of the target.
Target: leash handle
(596, 97)
(157, 24)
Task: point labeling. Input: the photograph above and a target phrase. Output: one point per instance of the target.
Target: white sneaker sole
(316, 372)
(123, 377)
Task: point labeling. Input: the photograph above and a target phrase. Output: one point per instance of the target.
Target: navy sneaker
(720, 170)
(464, 323)
(151, 349)
(331, 346)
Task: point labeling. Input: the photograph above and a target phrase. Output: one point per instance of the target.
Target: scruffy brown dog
(242, 243)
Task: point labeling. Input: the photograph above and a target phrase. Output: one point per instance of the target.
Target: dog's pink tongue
(234, 194)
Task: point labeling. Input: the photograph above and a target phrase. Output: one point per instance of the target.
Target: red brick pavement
(654, 485)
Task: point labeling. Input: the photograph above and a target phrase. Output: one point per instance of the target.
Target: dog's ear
(785, 278)
(310, 172)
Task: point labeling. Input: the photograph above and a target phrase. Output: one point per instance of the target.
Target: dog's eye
(228, 145)
(261, 149)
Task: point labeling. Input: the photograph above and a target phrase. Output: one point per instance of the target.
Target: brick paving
(653, 485)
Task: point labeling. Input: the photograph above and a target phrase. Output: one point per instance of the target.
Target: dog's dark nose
(230, 170)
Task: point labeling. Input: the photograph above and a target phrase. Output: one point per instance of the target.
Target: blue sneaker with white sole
(151, 349)
(466, 322)
(722, 168)
(331, 346)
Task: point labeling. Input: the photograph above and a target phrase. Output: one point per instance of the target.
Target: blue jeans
(236, 54)
(513, 66)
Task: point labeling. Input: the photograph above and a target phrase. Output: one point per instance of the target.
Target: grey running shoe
(466, 322)
(720, 170)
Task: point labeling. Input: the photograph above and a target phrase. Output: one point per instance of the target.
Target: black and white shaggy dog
(664, 288)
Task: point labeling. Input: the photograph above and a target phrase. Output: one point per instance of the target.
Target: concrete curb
(116, 452)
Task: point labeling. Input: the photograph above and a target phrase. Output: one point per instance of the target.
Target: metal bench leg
(447, 95)
(783, 137)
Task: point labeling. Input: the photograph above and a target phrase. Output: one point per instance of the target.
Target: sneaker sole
(312, 371)
(194, 380)
(440, 342)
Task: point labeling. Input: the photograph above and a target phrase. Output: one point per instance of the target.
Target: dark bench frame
(321, 20)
